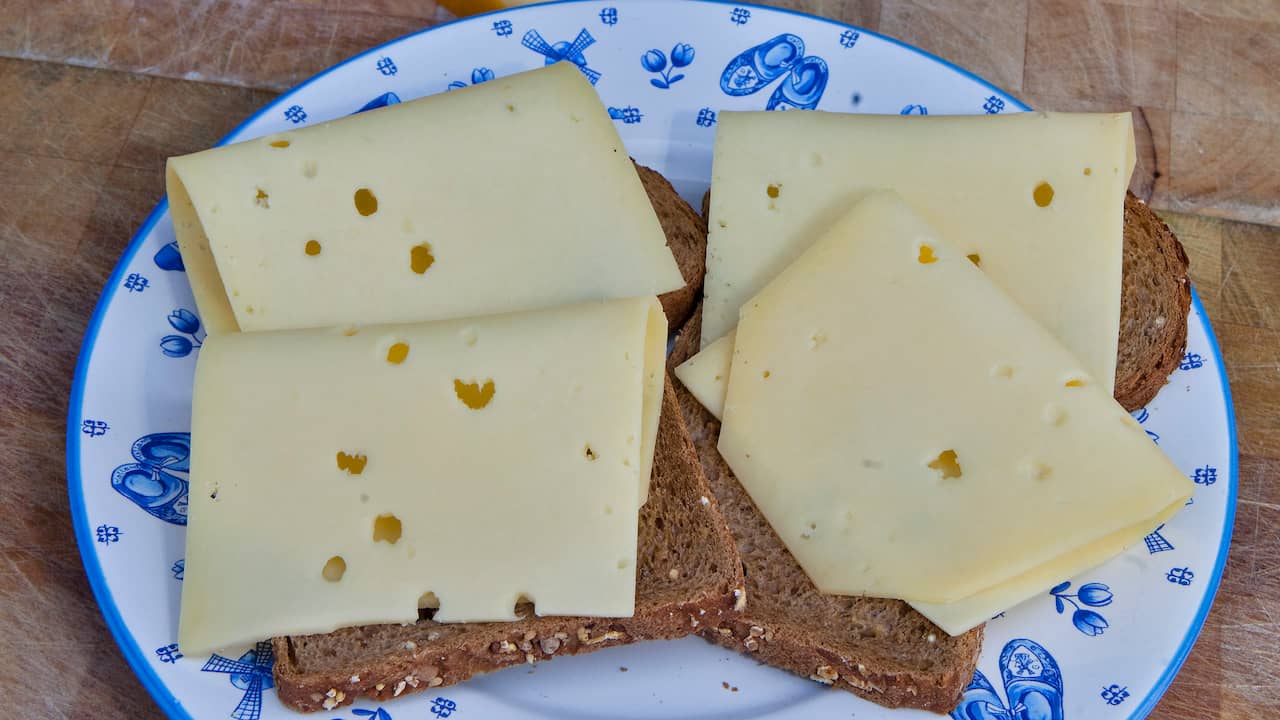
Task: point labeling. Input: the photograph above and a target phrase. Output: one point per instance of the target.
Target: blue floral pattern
(1091, 595)
(656, 62)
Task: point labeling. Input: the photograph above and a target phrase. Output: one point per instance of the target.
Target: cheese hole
(976, 259)
(511, 108)
(1088, 171)
(473, 394)
(312, 248)
(351, 331)
(428, 600)
(589, 454)
(773, 191)
(420, 258)
(353, 464)
(386, 528)
(1043, 194)
(947, 464)
(765, 374)
(366, 203)
(334, 569)
(1054, 414)
(623, 563)
(262, 200)
(214, 495)
(397, 353)
(1034, 470)
(1075, 382)
(523, 606)
(723, 225)
(1002, 372)
(280, 143)
(926, 256)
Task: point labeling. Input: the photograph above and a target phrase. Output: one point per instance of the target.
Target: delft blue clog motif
(754, 69)
(150, 482)
(1032, 687)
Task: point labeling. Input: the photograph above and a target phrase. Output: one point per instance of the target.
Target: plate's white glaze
(1116, 635)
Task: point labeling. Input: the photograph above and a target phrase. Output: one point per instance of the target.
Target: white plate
(1114, 637)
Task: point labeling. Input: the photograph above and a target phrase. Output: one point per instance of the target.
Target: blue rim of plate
(80, 521)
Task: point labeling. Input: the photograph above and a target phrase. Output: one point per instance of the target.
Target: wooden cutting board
(104, 90)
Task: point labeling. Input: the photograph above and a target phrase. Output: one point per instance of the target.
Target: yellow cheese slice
(706, 374)
(780, 179)
(936, 441)
(315, 444)
(444, 207)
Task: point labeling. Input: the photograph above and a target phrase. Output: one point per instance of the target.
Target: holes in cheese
(279, 143)
(1034, 470)
(1075, 381)
(353, 464)
(312, 248)
(334, 569)
(1054, 414)
(947, 464)
(420, 258)
(472, 394)
(397, 353)
(1002, 372)
(1088, 171)
(386, 528)
(428, 600)
(589, 454)
(976, 259)
(262, 200)
(765, 374)
(351, 331)
(926, 255)
(773, 191)
(366, 202)
(1043, 194)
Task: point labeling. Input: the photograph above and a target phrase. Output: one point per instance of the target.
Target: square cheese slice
(337, 479)
(448, 206)
(910, 432)
(1036, 198)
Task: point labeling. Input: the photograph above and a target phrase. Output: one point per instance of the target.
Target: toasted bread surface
(689, 575)
(1155, 300)
(686, 236)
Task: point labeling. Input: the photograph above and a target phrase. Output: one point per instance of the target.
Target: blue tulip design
(187, 323)
(481, 74)
(681, 55)
(169, 258)
(655, 61)
(184, 321)
(1090, 594)
(1094, 595)
(175, 346)
(1089, 622)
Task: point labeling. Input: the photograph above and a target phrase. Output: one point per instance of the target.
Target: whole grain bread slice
(686, 233)
(688, 575)
(1154, 303)
(878, 649)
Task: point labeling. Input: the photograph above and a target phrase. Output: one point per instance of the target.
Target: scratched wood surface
(94, 96)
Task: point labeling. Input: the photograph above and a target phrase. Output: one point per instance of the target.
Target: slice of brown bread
(688, 574)
(1154, 303)
(878, 649)
(686, 232)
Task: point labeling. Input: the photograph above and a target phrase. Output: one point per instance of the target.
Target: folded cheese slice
(448, 206)
(338, 478)
(1036, 198)
(910, 432)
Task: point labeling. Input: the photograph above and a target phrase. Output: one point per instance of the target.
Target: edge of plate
(129, 647)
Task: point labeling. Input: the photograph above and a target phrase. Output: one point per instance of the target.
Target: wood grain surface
(95, 95)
